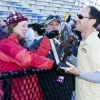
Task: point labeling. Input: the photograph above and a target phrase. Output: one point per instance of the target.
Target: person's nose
(76, 19)
(26, 29)
(55, 27)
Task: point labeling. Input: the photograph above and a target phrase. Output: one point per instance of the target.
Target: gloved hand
(52, 34)
(57, 67)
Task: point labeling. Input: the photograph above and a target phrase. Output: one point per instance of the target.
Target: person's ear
(93, 21)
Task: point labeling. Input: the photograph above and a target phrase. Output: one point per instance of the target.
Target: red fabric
(11, 53)
(1, 90)
(13, 56)
(26, 88)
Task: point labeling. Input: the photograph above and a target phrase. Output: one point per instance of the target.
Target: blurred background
(38, 10)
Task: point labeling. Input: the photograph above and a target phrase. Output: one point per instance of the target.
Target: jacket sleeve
(20, 56)
(44, 48)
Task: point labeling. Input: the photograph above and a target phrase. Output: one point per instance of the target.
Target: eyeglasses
(81, 17)
(54, 17)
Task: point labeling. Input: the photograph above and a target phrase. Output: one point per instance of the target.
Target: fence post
(7, 88)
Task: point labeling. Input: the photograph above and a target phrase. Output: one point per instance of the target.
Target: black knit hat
(37, 27)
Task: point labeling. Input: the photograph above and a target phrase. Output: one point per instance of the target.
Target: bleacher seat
(18, 4)
(9, 3)
(38, 7)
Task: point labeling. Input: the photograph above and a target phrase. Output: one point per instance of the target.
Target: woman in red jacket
(14, 54)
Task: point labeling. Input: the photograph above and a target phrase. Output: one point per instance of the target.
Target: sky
(91, 2)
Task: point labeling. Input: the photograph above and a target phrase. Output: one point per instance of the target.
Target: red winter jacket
(13, 56)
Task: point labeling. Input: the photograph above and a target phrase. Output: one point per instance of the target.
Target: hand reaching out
(71, 69)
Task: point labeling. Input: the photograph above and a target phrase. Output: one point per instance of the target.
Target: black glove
(55, 66)
(58, 69)
(52, 34)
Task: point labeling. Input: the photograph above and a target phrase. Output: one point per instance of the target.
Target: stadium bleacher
(35, 8)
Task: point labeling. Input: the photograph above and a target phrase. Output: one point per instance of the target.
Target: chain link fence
(35, 84)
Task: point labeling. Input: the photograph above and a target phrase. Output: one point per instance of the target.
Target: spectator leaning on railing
(14, 54)
(52, 27)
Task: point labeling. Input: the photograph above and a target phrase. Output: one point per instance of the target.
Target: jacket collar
(89, 38)
(13, 37)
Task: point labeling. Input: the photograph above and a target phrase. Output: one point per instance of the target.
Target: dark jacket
(2, 28)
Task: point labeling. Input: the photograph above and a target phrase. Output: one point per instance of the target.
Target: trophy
(59, 49)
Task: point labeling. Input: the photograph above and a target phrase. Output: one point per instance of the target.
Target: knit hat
(15, 17)
(37, 27)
